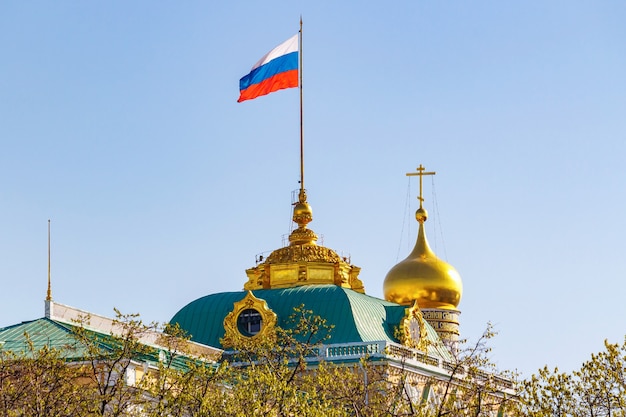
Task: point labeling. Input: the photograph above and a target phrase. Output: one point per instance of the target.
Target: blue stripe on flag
(275, 66)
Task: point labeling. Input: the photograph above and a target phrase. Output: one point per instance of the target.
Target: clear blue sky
(119, 121)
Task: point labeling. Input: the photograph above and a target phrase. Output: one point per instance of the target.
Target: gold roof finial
(421, 215)
(302, 216)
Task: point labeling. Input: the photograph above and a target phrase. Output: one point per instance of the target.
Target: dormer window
(249, 322)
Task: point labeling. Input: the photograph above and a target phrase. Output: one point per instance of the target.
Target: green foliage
(473, 386)
(597, 389)
(39, 383)
(275, 375)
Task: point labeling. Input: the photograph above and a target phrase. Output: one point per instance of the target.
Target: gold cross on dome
(420, 172)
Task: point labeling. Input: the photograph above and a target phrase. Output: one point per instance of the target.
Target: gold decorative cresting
(303, 262)
(422, 277)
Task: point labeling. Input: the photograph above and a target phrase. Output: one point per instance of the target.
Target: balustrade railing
(377, 349)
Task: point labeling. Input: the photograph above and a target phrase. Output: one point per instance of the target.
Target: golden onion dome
(423, 277)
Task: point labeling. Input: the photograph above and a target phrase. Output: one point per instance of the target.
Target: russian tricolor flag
(278, 69)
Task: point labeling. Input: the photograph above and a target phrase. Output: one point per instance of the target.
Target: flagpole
(302, 196)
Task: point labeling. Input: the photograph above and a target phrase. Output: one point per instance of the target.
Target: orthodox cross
(420, 172)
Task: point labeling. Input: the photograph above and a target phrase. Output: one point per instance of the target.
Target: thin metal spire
(49, 293)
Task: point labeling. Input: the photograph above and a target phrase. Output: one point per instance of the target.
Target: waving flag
(278, 69)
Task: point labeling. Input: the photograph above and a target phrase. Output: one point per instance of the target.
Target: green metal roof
(41, 332)
(356, 317)
(61, 336)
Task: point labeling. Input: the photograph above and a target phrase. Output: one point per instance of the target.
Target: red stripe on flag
(285, 79)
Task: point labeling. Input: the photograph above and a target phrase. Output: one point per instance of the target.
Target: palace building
(414, 330)
(421, 296)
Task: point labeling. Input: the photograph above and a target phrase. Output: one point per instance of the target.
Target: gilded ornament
(303, 253)
(303, 262)
(413, 329)
(248, 303)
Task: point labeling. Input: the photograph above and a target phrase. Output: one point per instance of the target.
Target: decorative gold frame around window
(413, 317)
(231, 328)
